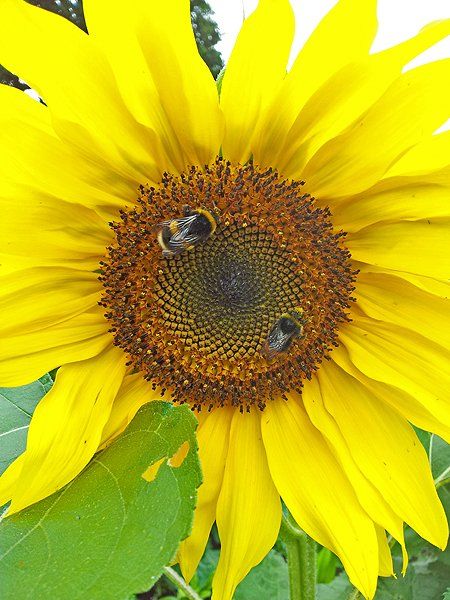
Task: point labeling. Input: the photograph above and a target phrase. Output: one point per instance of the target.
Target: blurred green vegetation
(205, 29)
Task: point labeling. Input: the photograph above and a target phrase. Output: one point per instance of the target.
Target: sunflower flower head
(215, 249)
(198, 321)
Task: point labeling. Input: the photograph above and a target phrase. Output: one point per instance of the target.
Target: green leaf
(327, 563)
(16, 407)
(447, 594)
(202, 580)
(428, 584)
(267, 581)
(424, 437)
(108, 533)
(339, 589)
(439, 455)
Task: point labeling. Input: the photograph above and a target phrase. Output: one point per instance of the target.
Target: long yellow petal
(368, 495)
(347, 94)
(161, 74)
(50, 233)
(387, 451)
(29, 151)
(427, 416)
(345, 35)
(313, 486)
(395, 199)
(414, 106)
(186, 88)
(432, 154)
(213, 442)
(79, 88)
(386, 568)
(134, 392)
(27, 355)
(254, 73)
(419, 247)
(67, 425)
(402, 358)
(248, 509)
(393, 300)
(33, 299)
(431, 285)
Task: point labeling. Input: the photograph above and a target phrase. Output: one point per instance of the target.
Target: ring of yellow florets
(196, 323)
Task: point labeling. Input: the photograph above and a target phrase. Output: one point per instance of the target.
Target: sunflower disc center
(198, 322)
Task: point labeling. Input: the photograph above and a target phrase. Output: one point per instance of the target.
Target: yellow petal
(187, 90)
(52, 233)
(395, 199)
(387, 451)
(393, 300)
(115, 30)
(213, 442)
(134, 392)
(33, 299)
(347, 94)
(427, 416)
(248, 509)
(79, 88)
(345, 35)
(161, 74)
(386, 568)
(400, 357)
(254, 73)
(368, 495)
(29, 151)
(27, 355)
(307, 476)
(419, 247)
(433, 154)
(414, 106)
(67, 425)
(436, 287)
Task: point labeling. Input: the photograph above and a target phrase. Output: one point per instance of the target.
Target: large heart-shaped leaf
(109, 533)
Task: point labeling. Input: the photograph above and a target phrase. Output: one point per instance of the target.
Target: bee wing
(183, 223)
(275, 343)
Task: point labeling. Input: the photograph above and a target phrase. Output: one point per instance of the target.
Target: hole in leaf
(179, 456)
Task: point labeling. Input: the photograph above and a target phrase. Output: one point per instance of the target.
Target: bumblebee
(194, 227)
(286, 329)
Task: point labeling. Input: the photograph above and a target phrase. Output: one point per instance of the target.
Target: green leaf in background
(16, 407)
(327, 563)
(428, 582)
(424, 437)
(108, 533)
(447, 594)
(202, 580)
(439, 455)
(267, 581)
(339, 589)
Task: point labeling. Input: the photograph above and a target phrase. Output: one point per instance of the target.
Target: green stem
(302, 562)
(181, 584)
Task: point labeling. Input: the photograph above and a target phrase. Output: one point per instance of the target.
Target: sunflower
(299, 305)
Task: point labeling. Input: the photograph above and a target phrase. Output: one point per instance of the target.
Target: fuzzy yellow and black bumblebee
(286, 329)
(183, 233)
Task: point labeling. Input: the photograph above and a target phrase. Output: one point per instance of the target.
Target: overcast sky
(399, 19)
